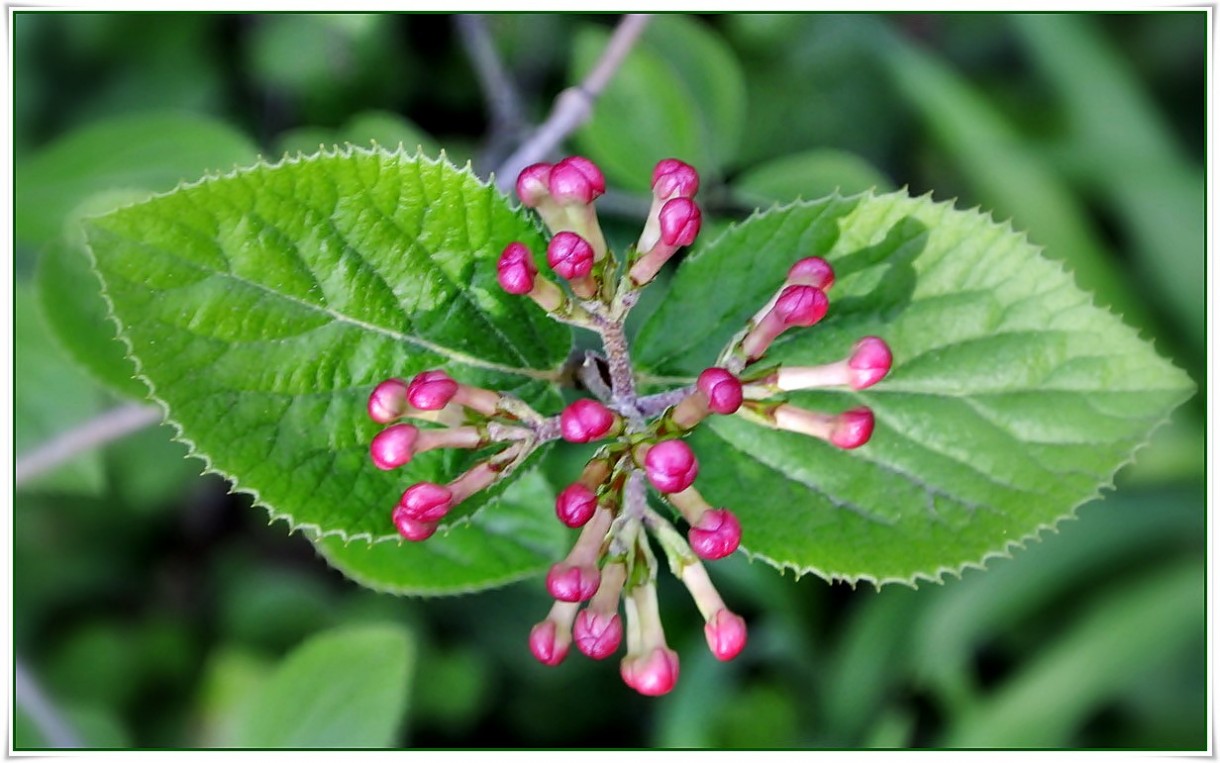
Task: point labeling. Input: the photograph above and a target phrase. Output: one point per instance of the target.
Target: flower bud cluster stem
(612, 567)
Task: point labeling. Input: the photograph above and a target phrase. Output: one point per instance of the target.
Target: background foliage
(156, 609)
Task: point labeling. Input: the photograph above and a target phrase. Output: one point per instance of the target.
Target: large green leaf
(344, 688)
(1011, 401)
(262, 307)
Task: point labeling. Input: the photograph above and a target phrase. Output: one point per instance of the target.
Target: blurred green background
(153, 608)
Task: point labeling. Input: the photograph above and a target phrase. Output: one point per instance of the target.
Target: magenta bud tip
(726, 634)
(812, 271)
(651, 674)
(388, 401)
(575, 505)
(586, 420)
(852, 428)
(412, 529)
(516, 270)
(671, 466)
(572, 582)
(393, 446)
(680, 222)
(597, 634)
(533, 184)
(715, 535)
(722, 390)
(801, 305)
(431, 390)
(425, 502)
(576, 180)
(569, 255)
(545, 645)
(674, 177)
(869, 363)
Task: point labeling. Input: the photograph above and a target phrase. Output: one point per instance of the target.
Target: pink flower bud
(569, 255)
(598, 634)
(722, 390)
(673, 177)
(576, 180)
(651, 674)
(715, 535)
(548, 643)
(680, 221)
(431, 390)
(516, 270)
(394, 446)
(671, 466)
(388, 401)
(869, 363)
(853, 428)
(801, 305)
(426, 502)
(533, 184)
(587, 420)
(812, 271)
(726, 634)
(575, 505)
(572, 582)
(412, 529)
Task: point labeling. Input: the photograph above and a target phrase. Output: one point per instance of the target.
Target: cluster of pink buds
(605, 589)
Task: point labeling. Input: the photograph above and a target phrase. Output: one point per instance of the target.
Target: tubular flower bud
(393, 446)
(599, 631)
(572, 258)
(425, 502)
(726, 635)
(715, 535)
(653, 674)
(587, 420)
(722, 390)
(811, 271)
(576, 180)
(868, 364)
(797, 305)
(515, 269)
(412, 529)
(680, 222)
(673, 178)
(576, 578)
(533, 184)
(846, 430)
(431, 390)
(671, 466)
(650, 667)
(676, 225)
(551, 638)
(388, 401)
(575, 505)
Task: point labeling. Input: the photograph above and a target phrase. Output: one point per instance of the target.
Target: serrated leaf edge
(180, 436)
(938, 575)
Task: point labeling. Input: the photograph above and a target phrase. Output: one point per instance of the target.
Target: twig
(573, 106)
(106, 427)
(50, 722)
(499, 91)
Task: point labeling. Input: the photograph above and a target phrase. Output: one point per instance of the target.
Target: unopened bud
(515, 269)
(425, 502)
(597, 634)
(680, 222)
(533, 184)
(847, 430)
(869, 363)
(715, 535)
(394, 446)
(572, 582)
(431, 390)
(551, 638)
(576, 180)
(812, 271)
(672, 178)
(575, 505)
(412, 529)
(388, 401)
(652, 674)
(586, 420)
(726, 634)
(797, 305)
(721, 389)
(670, 466)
